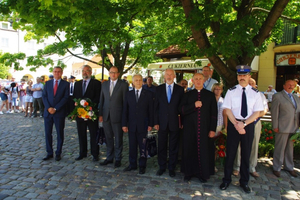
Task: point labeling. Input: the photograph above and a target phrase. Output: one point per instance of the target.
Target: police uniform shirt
(233, 101)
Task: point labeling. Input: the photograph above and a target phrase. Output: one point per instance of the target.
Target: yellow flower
(81, 112)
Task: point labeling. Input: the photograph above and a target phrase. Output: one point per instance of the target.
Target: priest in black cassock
(199, 110)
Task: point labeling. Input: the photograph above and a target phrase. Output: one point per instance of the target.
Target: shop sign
(287, 59)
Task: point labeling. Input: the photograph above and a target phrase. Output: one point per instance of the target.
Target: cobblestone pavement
(24, 175)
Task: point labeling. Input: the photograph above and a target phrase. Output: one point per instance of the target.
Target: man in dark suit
(83, 89)
(137, 120)
(55, 96)
(167, 99)
(70, 103)
(110, 113)
(285, 120)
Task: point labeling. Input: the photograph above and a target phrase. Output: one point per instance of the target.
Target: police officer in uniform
(242, 105)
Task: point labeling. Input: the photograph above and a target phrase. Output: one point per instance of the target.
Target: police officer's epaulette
(256, 90)
(233, 88)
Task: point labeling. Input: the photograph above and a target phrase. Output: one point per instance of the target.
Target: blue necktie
(244, 109)
(293, 100)
(169, 93)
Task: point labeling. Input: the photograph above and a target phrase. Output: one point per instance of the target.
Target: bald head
(252, 83)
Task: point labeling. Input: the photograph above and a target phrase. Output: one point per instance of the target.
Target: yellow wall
(267, 69)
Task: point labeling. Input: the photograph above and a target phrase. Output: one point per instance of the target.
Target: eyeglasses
(113, 72)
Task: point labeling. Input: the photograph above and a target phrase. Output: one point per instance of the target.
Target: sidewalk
(24, 175)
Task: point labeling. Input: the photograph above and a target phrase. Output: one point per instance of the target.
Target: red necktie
(55, 87)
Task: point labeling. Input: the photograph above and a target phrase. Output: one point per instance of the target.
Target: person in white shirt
(242, 105)
(37, 97)
(14, 97)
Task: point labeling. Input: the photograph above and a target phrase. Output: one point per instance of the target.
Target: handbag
(151, 145)
(100, 137)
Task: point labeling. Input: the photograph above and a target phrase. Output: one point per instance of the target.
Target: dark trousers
(165, 137)
(59, 125)
(114, 140)
(38, 103)
(137, 140)
(233, 140)
(82, 136)
(69, 105)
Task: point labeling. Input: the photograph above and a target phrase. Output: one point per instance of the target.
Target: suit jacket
(167, 113)
(111, 107)
(58, 101)
(284, 115)
(92, 91)
(138, 115)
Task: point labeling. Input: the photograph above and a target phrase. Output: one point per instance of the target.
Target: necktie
(244, 109)
(83, 87)
(169, 93)
(71, 90)
(293, 100)
(55, 87)
(111, 88)
(137, 96)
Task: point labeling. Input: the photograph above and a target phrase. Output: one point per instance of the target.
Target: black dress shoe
(48, 157)
(224, 186)
(160, 172)
(57, 157)
(142, 170)
(118, 163)
(95, 158)
(187, 178)
(129, 168)
(80, 157)
(246, 188)
(202, 180)
(106, 162)
(172, 173)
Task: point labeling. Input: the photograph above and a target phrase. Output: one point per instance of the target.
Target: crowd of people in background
(187, 119)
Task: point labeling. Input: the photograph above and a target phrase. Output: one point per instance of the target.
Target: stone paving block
(3, 196)
(31, 195)
(69, 179)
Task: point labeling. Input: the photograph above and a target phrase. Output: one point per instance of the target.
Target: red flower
(266, 130)
(271, 137)
(222, 147)
(270, 132)
(221, 154)
(267, 138)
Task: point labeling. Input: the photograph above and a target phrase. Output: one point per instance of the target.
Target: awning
(192, 65)
(179, 65)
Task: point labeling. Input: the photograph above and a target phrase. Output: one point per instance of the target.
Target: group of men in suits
(137, 111)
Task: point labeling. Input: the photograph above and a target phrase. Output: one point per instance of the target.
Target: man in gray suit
(285, 120)
(110, 113)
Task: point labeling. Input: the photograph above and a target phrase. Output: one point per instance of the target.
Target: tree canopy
(227, 32)
(131, 32)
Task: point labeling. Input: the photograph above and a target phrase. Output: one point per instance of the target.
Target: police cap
(243, 69)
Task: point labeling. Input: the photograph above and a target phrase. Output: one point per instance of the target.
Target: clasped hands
(51, 110)
(198, 104)
(239, 126)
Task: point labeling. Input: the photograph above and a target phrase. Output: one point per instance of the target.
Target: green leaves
(12, 60)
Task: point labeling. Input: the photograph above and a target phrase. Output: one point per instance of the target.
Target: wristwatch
(244, 122)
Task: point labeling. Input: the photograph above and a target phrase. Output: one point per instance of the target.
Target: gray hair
(90, 68)
(137, 75)
(171, 70)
